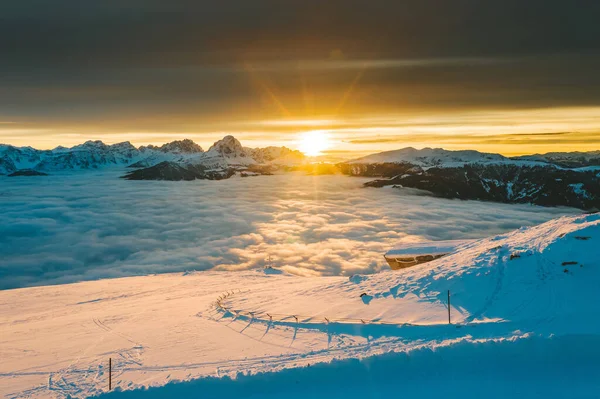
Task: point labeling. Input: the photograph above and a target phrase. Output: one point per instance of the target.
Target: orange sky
(508, 76)
(510, 132)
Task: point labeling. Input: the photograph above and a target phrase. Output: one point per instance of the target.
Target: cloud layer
(85, 226)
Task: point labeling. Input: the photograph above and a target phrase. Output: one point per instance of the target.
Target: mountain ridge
(438, 157)
(553, 179)
(95, 154)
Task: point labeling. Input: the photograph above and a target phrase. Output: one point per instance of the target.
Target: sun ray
(266, 89)
(306, 94)
(350, 89)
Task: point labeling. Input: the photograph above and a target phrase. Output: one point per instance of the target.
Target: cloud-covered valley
(83, 226)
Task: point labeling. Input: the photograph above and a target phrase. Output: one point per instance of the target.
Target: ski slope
(522, 303)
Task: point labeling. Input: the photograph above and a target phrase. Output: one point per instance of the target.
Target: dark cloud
(157, 65)
(170, 33)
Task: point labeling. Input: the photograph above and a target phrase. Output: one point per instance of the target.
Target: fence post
(109, 373)
(449, 322)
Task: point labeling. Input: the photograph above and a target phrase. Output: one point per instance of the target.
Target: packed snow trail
(525, 294)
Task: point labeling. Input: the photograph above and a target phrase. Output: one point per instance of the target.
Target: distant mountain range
(438, 157)
(553, 179)
(222, 155)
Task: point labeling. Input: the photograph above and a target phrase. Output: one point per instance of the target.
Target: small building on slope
(411, 254)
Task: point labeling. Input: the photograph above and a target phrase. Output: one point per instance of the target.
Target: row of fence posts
(224, 296)
(270, 317)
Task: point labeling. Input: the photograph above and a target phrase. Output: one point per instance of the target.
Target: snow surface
(434, 157)
(564, 157)
(524, 311)
(427, 158)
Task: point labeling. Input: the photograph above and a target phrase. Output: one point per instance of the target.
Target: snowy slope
(531, 284)
(438, 157)
(566, 159)
(432, 157)
(14, 158)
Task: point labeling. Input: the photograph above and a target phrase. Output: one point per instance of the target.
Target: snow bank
(530, 367)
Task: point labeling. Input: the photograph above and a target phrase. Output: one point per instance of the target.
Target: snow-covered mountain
(549, 180)
(228, 152)
(223, 154)
(565, 159)
(15, 158)
(90, 155)
(280, 155)
(431, 157)
(185, 146)
(440, 158)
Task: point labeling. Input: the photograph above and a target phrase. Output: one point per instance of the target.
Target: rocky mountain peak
(91, 144)
(229, 147)
(185, 146)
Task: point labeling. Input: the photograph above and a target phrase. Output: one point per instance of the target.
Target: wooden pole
(109, 374)
(449, 322)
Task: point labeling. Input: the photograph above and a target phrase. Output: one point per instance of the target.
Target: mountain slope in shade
(550, 180)
(175, 172)
(90, 155)
(540, 185)
(531, 293)
(7, 166)
(27, 173)
(14, 158)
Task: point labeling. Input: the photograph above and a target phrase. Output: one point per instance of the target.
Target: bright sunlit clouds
(313, 143)
(308, 226)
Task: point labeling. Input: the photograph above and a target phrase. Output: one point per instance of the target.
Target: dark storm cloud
(89, 62)
(167, 33)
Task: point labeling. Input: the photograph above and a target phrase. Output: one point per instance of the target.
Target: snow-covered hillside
(471, 175)
(566, 159)
(431, 157)
(440, 158)
(227, 152)
(523, 303)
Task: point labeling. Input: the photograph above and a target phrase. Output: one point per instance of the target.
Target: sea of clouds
(83, 226)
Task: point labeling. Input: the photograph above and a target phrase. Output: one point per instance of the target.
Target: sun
(314, 143)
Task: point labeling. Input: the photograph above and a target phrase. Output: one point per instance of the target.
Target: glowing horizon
(509, 132)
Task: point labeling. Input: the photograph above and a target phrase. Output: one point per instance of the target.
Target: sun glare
(314, 143)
